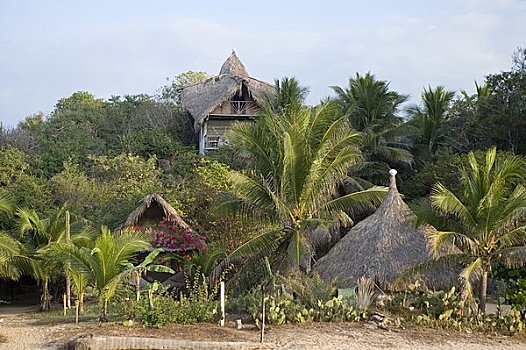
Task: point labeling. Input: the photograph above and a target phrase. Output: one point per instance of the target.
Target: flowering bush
(170, 236)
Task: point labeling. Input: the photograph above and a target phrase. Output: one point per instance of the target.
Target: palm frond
(360, 199)
(468, 274)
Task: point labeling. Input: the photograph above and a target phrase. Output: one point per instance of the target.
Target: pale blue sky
(50, 49)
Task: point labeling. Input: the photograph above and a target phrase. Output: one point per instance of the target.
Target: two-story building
(217, 102)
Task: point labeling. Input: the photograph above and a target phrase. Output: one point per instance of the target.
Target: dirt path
(23, 332)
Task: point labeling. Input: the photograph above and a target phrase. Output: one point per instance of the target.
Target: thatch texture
(202, 98)
(153, 207)
(382, 247)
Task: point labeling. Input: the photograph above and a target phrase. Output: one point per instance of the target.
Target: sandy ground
(23, 331)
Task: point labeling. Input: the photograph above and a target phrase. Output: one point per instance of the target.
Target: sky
(49, 49)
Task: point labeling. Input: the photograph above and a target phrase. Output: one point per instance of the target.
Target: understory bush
(284, 309)
(298, 299)
(448, 309)
(160, 307)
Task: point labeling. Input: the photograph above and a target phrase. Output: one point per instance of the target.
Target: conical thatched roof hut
(382, 247)
(152, 210)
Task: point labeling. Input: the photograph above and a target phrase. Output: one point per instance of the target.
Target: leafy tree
(106, 264)
(430, 120)
(466, 133)
(172, 91)
(297, 159)
(71, 132)
(109, 189)
(503, 117)
(485, 223)
(25, 136)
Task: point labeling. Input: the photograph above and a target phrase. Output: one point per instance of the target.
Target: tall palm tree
(373, 110)
(106, 263)
(297, 159)
(486, 223)
(430, 119)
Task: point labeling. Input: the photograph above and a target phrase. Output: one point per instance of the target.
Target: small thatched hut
(221, 100)
(151, 211)
(382, 247)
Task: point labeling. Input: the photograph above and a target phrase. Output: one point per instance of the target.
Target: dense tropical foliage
(288, 183)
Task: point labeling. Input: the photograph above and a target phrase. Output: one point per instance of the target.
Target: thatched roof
(202, 98)
(382, 247)
(153, 206)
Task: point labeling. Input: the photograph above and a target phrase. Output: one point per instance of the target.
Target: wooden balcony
(236, 109)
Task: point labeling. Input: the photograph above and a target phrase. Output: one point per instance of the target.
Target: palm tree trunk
(68, 290)
(46, 297)
(81, 302)
(104, 311)
(483, 289)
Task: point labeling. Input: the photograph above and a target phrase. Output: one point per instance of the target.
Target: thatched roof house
(152, 210)
(382, 247)
(223, 99)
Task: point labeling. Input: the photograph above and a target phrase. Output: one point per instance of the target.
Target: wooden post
(65, 305)
(262, 335)
(222, 295)
(137, 286)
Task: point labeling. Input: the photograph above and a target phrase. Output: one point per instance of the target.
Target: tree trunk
(45, 297)
(104, 311)
(68, 290)
(81, 303)
(483, 289)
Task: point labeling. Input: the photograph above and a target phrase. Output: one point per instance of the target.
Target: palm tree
(297, 159)
(289, 95)
(106, 264)
(10, 248)
(430, 119)
(373, 110)
(485, 223)
(38, 235)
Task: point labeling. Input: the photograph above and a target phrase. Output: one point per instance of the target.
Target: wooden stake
(222, 294)
(65, 305)
(262, 335)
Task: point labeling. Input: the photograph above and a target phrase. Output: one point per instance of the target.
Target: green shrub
(446, 308)
(158, 307)
(283, 308)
